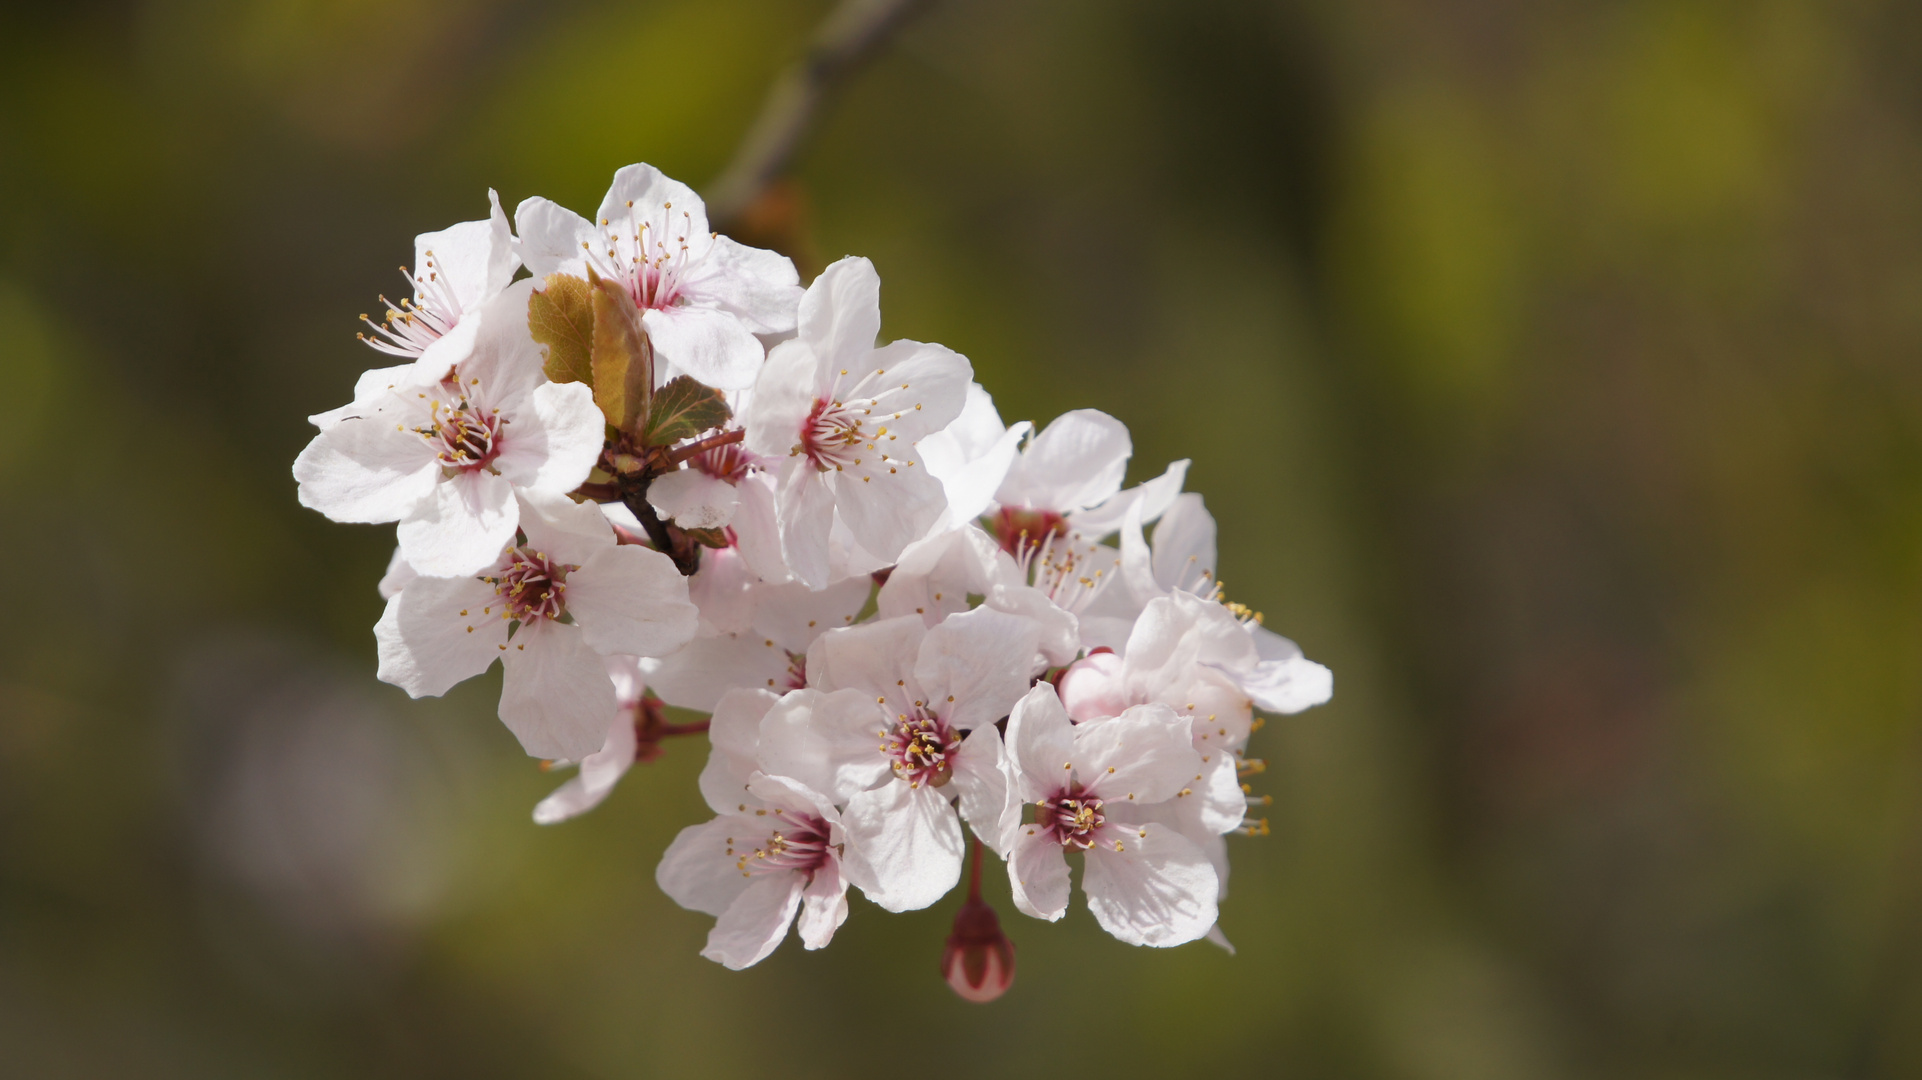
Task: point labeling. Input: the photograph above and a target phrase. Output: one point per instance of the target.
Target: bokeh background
(1554, 369)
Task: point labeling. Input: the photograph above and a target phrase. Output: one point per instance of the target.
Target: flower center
(1074, 817)
(833, 435)
(650, 257)
(800, 845)
(533, 587)
(407, 328)
(1070, 570)
(463, 435)
(922, 748)
(1021, 530)
(729, 462)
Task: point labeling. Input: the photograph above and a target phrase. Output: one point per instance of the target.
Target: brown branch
(853, 33)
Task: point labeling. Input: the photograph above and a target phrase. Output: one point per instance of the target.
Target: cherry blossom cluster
(657, 477)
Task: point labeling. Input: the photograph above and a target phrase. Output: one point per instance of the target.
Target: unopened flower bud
(979, 959)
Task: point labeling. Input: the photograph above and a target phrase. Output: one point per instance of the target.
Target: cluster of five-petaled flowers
(903, 615)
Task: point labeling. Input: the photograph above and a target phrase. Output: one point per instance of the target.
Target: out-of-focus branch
(851, 34)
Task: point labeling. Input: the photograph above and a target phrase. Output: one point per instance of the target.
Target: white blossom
(1094, 788)
(846, 416)
(702, 296)
(549, 608)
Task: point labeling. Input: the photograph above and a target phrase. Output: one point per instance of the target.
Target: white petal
(829, 742)
(934, 576)
(555, 696)
(600, 771)
(988, 802)
(700, 872)
(1077, 461)
(976, 665)
(1041, 743)
(784, 393)
(712, 346)
(734, 734)
(564, 530)
(425, 642)
(904, 845)
(398, 574)
(551, 237)
(795, 617)
(886, 511)
(757, 532)
(806, 513)
(1152, 498)
(759, 286)
(1158, 889)
(756, 922)
(631, 600)
(874, 657)
(840, 314)
(1038, 875)
(698, 673)
(1285, 681)
(364, 470)
(553, 444)
(1093, 688)
(1143, 756)
(462, 528)
(693, 499)
(1058, 631)
(1184, 552)
(825, 906)
(907, 374)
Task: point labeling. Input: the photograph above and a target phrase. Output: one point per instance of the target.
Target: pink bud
(979, 959)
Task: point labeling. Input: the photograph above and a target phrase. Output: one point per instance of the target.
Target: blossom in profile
(549, 608)
(447, 454)
(702, 296)
(1093, 787)
(456, 272)
(846, 416)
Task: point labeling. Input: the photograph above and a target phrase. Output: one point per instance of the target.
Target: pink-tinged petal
(693, 499)
(806, 515)
(783, 794)
(757, 531)
(397, 576)
(712, 346)
(1077, 461)
(1220, 710)
(885, 510)
(1143, 756)
(564, 530)
(756, 922)
(1215, 937)
(600, 771)
(840, 316)
(795, 616)
(904, 845)
(1058, 632)
(1038, 875)
(1041, 743)
(437, 632)
(461, 259)
(988, 802)
(462, 528)
(631, 600)
(552, 237)
(698, 673)
(784, 395)
(1151, 499)
(553, 444)
(826, 741)
(1216, 803)
(758, 286)
(646, 192)
(969, 481)
(503, 366)
(1184, 552)
(701, 870)
(876, 658)
(924, 386)
(976, 665)
(369, 389)
(824, 907)
(1283, 680)
(1094, 688)
(934, 576)
(1150, 886)
(555, 696)
(366, 470)
(734, 733)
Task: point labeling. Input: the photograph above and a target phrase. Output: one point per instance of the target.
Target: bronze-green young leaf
(622, 357)
(683, 409)
(560, 315)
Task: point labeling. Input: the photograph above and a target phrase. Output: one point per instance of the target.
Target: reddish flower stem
(704, 445)
(974, 873)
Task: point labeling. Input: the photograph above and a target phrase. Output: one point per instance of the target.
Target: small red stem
(974, 874)
(698, 727)
(704, 445)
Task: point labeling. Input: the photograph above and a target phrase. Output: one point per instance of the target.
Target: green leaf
(683, 409)
(622, 357)
(560, 315)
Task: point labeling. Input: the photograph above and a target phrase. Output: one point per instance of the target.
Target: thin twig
(851, 34)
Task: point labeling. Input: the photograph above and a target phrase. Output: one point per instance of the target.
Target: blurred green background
(1552, 367)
